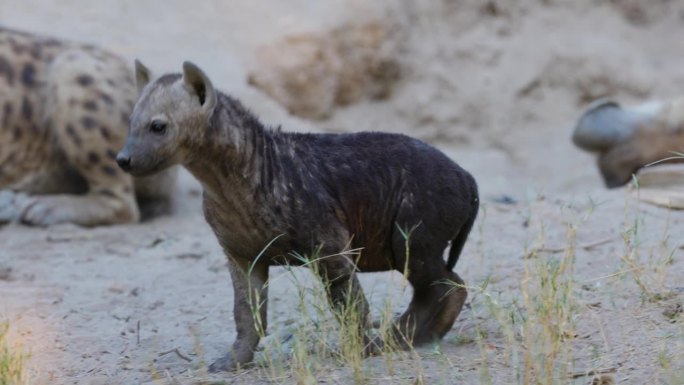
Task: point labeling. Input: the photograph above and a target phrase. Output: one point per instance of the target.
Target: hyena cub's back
(64, 111)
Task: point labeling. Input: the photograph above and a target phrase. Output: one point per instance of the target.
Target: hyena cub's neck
(230, 154)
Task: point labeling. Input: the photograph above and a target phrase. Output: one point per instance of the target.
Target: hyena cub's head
(169, 111)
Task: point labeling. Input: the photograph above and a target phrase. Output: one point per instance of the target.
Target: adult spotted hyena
(321, 195)
(64, 111)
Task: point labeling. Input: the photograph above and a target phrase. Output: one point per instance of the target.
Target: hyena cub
(324, 195)
(64, 111)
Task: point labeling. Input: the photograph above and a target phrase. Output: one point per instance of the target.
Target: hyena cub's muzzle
(140, 161)
(124, 161)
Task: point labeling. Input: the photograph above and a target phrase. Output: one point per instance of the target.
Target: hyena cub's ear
(199, 85)
(142, 75)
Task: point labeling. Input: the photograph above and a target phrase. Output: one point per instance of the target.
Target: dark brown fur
(324, 196)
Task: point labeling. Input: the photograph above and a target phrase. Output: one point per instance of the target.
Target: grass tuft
(12, 358)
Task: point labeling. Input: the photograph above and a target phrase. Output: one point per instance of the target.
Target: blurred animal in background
(628, 139)
(64, 112)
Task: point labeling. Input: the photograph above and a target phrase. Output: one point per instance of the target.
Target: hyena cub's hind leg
(89, 97)
(439, 294)
(438, 297)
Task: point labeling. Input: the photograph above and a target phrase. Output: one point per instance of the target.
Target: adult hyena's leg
(249, 311)
(627, 139)
(88, 97)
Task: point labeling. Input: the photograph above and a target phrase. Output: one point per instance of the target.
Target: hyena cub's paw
(373, 346)
(223, 364)
(11, 204)
(230, 362)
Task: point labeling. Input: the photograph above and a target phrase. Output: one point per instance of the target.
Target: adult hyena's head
(169, 112)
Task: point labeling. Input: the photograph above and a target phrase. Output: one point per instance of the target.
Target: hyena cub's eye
(157, 127)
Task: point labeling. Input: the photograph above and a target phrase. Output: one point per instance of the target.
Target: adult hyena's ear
(199, 84)
(142, 75)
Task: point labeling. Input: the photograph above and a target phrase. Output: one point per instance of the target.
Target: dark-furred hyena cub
(311, 194)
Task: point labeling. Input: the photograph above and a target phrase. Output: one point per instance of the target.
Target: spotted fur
(64, 111)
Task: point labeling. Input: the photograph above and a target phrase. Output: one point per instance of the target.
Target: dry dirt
(495, 84)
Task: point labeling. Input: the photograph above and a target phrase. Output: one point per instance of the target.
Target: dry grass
(537, 323)
(528, 335)
(12, 359)
(327, 338)
(539, 328)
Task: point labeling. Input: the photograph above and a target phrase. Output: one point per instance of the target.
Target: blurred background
(496, 84)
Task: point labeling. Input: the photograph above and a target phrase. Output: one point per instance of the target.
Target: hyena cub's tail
(460, 240)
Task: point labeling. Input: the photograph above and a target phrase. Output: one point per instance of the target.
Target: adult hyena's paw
(83, 210)
(47, 211)
(11, 204)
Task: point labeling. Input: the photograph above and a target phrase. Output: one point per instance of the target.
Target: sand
(496, 85)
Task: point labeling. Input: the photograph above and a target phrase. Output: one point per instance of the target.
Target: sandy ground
(496, 85)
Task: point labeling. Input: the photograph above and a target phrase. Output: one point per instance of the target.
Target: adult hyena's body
(64, 111)
(350, 202)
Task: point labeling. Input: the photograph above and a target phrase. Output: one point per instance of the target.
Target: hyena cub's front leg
(88, 107)
(345, 294)
(249, 310)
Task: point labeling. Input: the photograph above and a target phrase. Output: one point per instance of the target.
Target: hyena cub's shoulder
(64, 112)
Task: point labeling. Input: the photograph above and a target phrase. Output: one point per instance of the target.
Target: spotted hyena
(350, 202)
(64, 111)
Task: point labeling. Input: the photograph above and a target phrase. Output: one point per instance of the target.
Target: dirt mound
(310, 74)
(642, 13)
(587, 79)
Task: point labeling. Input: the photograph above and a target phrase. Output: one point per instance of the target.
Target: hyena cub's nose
(124, 161)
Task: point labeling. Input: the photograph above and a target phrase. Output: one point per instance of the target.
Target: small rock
(672, 312)
(5, 273)
(603, 379)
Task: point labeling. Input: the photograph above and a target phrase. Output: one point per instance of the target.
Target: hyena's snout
(125, 156)
(128, 157)
(123, 159)
(140, 158)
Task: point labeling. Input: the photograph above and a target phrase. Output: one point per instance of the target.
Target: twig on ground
(178, 353)
(67, 238)
(593, 372)
(584, 246)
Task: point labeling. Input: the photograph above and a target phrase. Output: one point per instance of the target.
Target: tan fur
(64, 111)
(652, 141)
